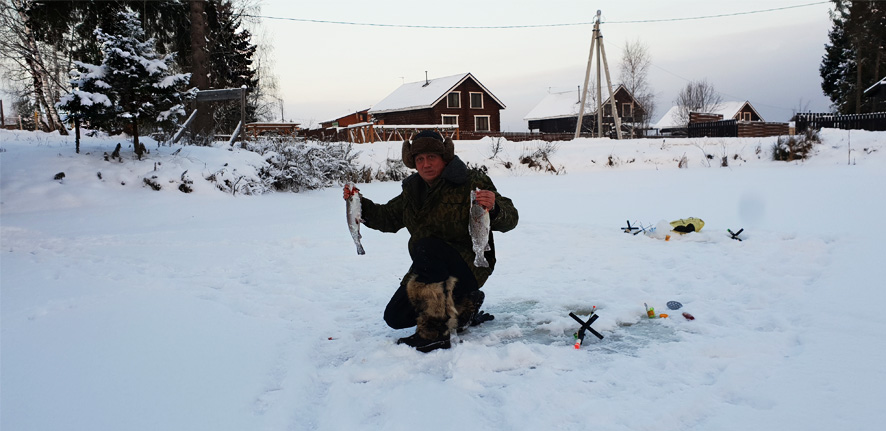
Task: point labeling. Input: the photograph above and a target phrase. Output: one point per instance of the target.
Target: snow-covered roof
(563, 105)
(670, 120)
(424, 94)
(728, 110)
(557, 105)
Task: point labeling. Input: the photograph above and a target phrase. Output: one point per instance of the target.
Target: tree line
(122, 65)
(855, 55)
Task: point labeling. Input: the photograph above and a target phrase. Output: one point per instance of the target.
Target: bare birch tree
(22, 54)
(634, 72)
(697, 96)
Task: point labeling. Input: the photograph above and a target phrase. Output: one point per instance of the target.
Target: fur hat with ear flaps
(428, 141)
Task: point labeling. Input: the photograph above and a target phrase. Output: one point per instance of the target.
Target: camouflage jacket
(442, 211)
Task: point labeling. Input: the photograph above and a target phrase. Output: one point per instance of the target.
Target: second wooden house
(558, 112)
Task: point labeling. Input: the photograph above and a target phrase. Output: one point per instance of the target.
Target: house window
(476, 100)
(626, 110)
(481, 123)
(607, 110)
(453, 100)
(745, 116)
(450, 119)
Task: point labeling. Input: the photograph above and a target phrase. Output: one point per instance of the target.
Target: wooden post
(243, 136)
(181, 129)
(584, 94)
(611, 93)
(77, 132)
(599, 83)
(237, 131)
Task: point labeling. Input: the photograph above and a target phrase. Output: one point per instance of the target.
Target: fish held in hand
(355, 217)
(479, 229)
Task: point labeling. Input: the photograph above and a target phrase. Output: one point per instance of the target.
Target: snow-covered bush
(540, 158)
(230, 180)
(791, 148)
(296, 166)
(394, 170)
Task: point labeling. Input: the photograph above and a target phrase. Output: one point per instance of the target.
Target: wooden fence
(714, 129)
(737, 129)
(15, 123)
(367, 132)
(874, 121)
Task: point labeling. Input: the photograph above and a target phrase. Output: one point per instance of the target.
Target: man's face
(429, 166)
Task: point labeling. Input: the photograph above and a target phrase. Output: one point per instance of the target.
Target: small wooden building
(458, 99)
(347, 120)
(558, 112)
(672, 123)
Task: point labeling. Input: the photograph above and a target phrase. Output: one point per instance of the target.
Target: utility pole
(597, 43)
(584, 93)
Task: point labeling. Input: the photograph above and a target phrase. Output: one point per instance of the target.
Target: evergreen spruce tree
(838, 67)
(87, 101)
(207, 37)
(230, 62)
(134, 84)
(855, 57)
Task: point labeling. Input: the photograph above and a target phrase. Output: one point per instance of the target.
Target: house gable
(458, 99)
(741, 111)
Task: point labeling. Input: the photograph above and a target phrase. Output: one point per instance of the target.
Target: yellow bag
(687, 225)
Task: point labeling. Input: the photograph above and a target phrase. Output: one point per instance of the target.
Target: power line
(716, 16)
(499, 27)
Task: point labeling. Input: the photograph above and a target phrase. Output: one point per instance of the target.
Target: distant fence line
(369, 133)
(702, 127)
(875, 121)
(521, 136)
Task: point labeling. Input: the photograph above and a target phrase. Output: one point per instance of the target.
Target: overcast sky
(327, 70)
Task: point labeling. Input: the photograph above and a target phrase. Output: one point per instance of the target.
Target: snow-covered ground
(125, 308)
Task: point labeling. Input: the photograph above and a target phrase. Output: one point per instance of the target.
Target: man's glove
(481, 317)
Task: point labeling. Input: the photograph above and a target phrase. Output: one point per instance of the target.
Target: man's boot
(436, 314)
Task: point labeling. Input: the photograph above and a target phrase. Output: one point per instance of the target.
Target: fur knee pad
(437, 315)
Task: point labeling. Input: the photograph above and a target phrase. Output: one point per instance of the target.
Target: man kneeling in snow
(441, 290)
